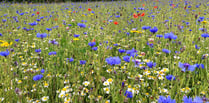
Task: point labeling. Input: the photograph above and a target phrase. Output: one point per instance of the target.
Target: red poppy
(142, 14)
(143, 4)
(173, 5)
(73, 11)
(37, 12)
(135, 16)
(89, 9)
(93, 40)
(138, 14)
(155, 7)
(116, 23)
(199, 13)
(104, 21)
(185, 7)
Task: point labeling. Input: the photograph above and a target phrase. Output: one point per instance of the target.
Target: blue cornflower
(197, 100)
(128, 94)
(53, 42)
(186, 67)
(41, 35)
(163, 99)
(53, 53)
(37, 77)
(33, 24)
(21, 13)
(49, 29)
(187, 99)
(70, 59)
(137, 62)
(146, 27)
(38, 50)
(76, 35)
(82, 62)
(113, 60)
(127, 58)
(170, 36)
(196, 47)
(1, 34)
(121, 50)
(166, 51)
(94, 48)
(42, 70)
(200, 66)
(17, 40)
(4, 53)
(151, 64)
(153, 30)
(205, 35)
(159, 36)
(92, 44)
(170, 77)
(81, 25)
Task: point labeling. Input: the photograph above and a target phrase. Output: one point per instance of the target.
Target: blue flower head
(121, 50)
(205, 35)
(187, 99)
(81, 25)
(166, 51)
(146, 27)
(170, 36)
(70, 59)
(53, 53)
(151, 64)
(4, 53)
(92, 44)
(37, 77)
(42, 70)
(153, 30)
(163, 99)
(170, 77)
(38, 50)
(82, 62)
(187, 67)
(128, 94)
(38, 35)
(94, 48)
(113, 60)
(127, 58)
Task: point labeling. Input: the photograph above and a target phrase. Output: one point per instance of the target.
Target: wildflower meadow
(139, 51)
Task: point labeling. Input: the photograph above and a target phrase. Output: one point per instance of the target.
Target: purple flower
(187, 67)
(53, 42)
(187, 100)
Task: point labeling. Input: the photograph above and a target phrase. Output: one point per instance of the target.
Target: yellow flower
(204, 22)
(75, 39)
(5, 44)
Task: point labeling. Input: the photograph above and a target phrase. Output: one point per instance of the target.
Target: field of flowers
(153, 51)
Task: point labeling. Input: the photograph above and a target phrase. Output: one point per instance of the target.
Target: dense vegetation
(125, 51)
